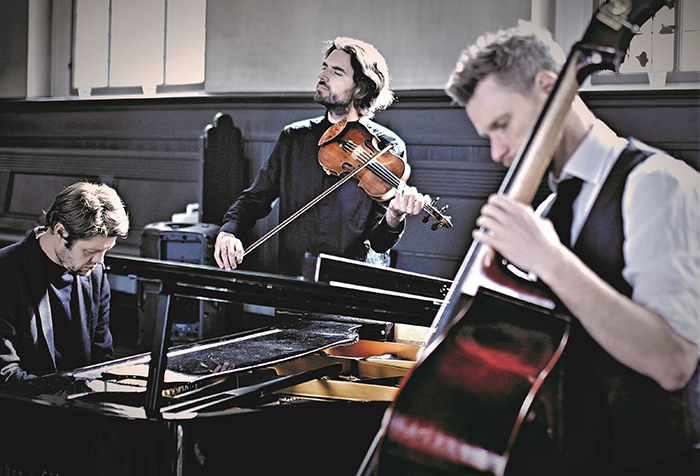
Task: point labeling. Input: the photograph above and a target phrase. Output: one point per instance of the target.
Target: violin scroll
(441, 220)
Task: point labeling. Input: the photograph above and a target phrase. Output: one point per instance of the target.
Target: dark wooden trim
(403, 96)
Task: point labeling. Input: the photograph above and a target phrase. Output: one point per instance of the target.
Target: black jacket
(26, 331)
(340, 224)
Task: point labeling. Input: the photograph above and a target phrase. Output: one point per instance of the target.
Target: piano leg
(309, 438)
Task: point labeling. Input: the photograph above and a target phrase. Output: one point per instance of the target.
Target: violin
(348, 149)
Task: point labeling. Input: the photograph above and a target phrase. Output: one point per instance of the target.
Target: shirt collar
(592, 160)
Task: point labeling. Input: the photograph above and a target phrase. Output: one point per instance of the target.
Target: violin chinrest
(332, 132)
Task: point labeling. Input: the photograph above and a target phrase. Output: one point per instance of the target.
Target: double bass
(489, 373)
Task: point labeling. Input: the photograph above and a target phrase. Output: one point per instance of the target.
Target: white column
(543, 14)
(39, 49)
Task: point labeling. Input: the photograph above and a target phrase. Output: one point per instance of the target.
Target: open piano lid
(114, 396)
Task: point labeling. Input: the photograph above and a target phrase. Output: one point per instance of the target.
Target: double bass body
(478, 386)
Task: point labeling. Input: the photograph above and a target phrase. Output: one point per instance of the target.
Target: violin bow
(313, 202)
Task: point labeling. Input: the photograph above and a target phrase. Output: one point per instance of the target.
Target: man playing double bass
(629, 275)
(353, 84)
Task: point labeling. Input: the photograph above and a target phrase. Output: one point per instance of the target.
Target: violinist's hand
(228, 251)
(406, 201)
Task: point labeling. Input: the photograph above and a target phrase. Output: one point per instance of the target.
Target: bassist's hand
(518, 233)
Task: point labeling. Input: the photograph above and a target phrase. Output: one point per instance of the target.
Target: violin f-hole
(347, 167)
(380, 179)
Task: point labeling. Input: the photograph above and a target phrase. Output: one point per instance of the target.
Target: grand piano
(303, 395)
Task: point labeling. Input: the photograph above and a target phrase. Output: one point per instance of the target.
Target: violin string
(377, 167)
(385, 174)
(389, 177)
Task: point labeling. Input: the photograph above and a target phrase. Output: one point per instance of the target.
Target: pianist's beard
(67, 260)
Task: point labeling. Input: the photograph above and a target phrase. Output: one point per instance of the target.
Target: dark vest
(623, 418)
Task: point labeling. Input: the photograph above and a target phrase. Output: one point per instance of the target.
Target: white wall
(276, 45)
(14, 18)
(39, 49)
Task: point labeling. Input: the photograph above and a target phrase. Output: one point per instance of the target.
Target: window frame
(120, 91)
(674, 78)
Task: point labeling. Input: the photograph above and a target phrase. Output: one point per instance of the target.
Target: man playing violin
(629, 277)
(353, 84)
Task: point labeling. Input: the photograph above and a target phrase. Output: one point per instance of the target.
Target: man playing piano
(353, 84)
(54, 295)
(632, 287)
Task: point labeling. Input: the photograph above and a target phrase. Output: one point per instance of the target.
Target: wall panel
(151, 151)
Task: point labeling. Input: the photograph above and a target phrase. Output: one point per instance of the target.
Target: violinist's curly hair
(87, 210)
(514, 56)
(371, 74)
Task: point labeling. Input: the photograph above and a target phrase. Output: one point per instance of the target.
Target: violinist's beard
(338, 109)
(335, 104)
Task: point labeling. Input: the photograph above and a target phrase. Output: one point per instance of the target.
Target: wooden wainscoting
(151, 150)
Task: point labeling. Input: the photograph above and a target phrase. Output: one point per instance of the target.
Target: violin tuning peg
(426, 218)
(434, 226)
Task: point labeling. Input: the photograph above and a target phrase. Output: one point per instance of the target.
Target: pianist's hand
(228, 251)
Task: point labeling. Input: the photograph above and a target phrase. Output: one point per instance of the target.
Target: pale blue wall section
(276, 45)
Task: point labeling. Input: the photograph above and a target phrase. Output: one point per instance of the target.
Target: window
(138, 46)
(664, 51)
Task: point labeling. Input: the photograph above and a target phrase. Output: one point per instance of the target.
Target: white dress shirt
(661, 224)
